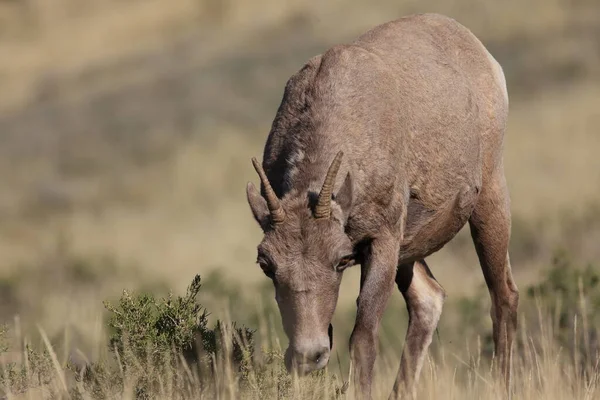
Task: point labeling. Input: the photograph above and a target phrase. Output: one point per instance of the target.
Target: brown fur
(419, 108)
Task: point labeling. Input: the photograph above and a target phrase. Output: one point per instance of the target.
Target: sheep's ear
(344, 197)
(258, 205)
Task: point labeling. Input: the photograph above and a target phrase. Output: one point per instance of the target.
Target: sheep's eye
(345, 262)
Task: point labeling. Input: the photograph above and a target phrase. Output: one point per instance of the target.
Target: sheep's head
(304, 252)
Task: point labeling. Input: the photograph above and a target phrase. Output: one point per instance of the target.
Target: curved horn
(277, 213)
(323, 208)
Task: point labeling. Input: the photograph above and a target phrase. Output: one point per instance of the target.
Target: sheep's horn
(323, 208)
(277, 213)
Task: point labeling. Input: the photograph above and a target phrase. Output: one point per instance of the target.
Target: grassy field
(126, 131)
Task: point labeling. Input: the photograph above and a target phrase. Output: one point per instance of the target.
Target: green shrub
(150, 336)
(147, 327)
(145, 324)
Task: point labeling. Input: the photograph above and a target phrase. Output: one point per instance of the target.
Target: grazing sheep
(380, 152)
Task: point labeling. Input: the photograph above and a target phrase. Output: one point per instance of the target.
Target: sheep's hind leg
(490, 229)
(424, 300)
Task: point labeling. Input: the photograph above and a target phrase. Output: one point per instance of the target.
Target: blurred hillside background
(127, 128)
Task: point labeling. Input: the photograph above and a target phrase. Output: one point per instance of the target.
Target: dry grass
(541, 369)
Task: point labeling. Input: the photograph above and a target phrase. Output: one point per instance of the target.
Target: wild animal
(380, 152)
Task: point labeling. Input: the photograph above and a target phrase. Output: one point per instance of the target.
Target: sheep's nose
(305, 360)
(317, 355)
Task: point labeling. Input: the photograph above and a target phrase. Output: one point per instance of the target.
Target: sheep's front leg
(378, 277)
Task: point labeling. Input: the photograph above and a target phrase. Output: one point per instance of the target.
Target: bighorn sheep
(380, 152)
